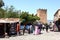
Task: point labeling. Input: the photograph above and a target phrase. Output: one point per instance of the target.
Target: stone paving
(43, 36)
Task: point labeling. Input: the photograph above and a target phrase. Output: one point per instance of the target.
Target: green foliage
(9, 13)
(1, 3)
(2, 11)
(46, 24)
(28, 18)
(23, 15)
(32, 18)
(12, 13)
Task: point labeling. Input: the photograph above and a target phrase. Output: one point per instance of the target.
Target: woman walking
(37, 30)
(24, 29)
(18, 28)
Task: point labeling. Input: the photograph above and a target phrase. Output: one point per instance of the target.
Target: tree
(2, 13)
(28, 18)
(23, 17)
(11, 13)
(1, 9)
(8, 13)
(1, 3)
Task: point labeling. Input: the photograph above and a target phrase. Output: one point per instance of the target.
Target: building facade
(57, 15)
(57, 20)
(42, 14)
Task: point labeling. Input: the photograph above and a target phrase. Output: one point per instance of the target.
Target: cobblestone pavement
(43, 36)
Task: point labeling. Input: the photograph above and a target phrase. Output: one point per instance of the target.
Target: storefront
(8, 26)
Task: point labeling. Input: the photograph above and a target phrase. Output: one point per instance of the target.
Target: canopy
(9, 20)
(2, 21)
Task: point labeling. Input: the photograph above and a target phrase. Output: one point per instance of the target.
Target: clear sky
(32, 5)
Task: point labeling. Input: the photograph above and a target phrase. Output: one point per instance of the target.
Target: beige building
(42, 14)
(57, 20)
(57, 15)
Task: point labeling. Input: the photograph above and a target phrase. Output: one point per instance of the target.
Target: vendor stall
(9, 26)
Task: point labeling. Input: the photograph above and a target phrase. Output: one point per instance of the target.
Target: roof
(9, 20)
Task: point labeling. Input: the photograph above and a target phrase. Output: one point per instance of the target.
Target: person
(36, 30)
(24, 29)
(47, 26)
(50, 25)
(31, 29)
(40, 27)
(28, 27)
(59, 28)
(18, 28)
(6, 35)
(43, 26)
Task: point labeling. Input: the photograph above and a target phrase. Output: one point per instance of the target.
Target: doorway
(1, 30)
(7, 28)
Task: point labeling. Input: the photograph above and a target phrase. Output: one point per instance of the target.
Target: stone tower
(42, 14)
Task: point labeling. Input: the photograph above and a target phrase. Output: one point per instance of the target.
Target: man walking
(24, 29)
(47, 26)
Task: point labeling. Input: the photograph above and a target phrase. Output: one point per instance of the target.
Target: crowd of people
(36, 28)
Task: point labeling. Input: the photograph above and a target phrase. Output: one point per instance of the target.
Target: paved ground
(43, 36)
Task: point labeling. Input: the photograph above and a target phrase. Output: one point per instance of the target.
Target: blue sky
(32, 5)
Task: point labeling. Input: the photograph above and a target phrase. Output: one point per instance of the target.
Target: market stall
(9, 26)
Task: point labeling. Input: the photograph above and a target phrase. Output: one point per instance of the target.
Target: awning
(9, 20)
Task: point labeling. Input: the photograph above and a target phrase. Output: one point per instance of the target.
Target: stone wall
(42, 14)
